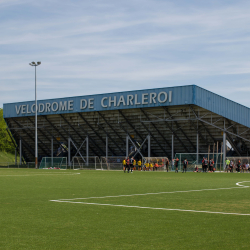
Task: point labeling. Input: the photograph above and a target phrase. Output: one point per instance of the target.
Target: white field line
(239, 184)
(152, 208)
(171, 192)
(62, 173)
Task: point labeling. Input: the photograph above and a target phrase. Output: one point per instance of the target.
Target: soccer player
(211, 165)
(196, 169)
(139, 165)
(151, 166)
(227, 165)
(156, 165)
(124, 163)
(243, 167)
(231, 166)
(167, 164)
(238, 166)
(205, 164)
(185, 164)
(131, 164)
(176, 165)
(134, 164)
(128, 164)
(247, 167)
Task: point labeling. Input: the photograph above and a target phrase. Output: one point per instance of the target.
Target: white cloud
(121, 45)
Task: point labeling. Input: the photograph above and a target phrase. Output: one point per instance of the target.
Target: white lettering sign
(130, 100)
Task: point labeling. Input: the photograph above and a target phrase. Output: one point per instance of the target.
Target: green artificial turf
(30, 220)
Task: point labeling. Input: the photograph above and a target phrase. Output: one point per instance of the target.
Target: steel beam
(69, 155)
(44, 151)
(107, 146)
(55, 128)
(158, 131)
(224, 148)
(127, 145)
(130, 124)
(200, 134)
(93, 141)
(177, 137)
(109, 137)
(179, 127)
(20, 151)
(197, 148)
(87, 150)
(118, 136)
(25, 144)
(200, 119)
(131, 139)
(40, 131)
(72, 129)
(149, 146)
(172, 146)
(149, 132)
(91, 127)
(233, 144)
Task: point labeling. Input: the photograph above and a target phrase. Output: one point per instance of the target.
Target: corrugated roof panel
(171, 96)
(222, 106)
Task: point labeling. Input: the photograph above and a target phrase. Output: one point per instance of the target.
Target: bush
(6, 144)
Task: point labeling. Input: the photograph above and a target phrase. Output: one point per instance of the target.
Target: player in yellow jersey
(151, 166)
(139, 165)
(124, 163)
(134, 164)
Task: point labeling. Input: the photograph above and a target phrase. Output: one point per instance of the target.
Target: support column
(224, 148)
(126, 145)
(20, 151)
(15, 156)
(197, 148)
(107, 147)
(149, 146)
(52, 152)
(69, 163)
(172, 146)
(87, 150)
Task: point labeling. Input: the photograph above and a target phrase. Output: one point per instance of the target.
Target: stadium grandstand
(144, 123)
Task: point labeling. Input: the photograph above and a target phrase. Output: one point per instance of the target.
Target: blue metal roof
(221, 106)
(171, 96)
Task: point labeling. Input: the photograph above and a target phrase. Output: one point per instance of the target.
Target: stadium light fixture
(36, 151)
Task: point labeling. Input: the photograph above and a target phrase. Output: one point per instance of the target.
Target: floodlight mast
(36, 150)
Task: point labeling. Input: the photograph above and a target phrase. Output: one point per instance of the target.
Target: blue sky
(93, 47)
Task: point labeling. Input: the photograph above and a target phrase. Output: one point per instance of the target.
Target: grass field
(7, 157)
(45, 209)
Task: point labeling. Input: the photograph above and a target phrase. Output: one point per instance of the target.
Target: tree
(6, 143)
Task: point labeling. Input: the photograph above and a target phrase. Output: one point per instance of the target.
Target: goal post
(157, 163)
(195, 159)
(244, 160)
(86, 162)
(112, 162)
(53, 162)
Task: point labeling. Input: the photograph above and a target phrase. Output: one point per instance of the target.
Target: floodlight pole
(36, 150)
(36, 153)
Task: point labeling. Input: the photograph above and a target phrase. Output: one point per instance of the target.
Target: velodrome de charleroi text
(89, 103)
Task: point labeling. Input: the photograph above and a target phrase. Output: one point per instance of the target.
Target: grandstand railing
(115, 163)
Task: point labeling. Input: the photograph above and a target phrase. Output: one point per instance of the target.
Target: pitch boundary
(239, 184)
(48, 174)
